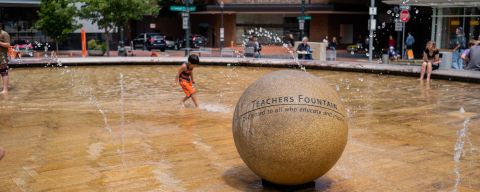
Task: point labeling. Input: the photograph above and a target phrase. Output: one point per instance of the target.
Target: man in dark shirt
(304, 51)
(474, 57)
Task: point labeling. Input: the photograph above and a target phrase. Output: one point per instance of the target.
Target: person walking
(184, 78)
(409, 42)
(459, 45)
(4, 46)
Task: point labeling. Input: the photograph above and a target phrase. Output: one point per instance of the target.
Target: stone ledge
(394, 69)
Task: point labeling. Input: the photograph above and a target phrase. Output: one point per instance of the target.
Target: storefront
(445, 21)
(447, 16)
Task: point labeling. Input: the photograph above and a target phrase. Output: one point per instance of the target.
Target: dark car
(150, 41)
(24, 47)
(157, 42)
(197, 41)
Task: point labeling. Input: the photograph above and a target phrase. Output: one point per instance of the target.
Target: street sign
(372, 24)
(301, 24)
(222, 34)
(153, 26)
(307, 17)
(404, 15)
(403, 7)
(398, 26)
(185, 22)
(182, 8)
(373, 11)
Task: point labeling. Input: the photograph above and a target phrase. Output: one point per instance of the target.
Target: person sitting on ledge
(304, 51)
(431, 60)
(392, 54)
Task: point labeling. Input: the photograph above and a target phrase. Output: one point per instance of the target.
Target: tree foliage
(108, 14)
(57, 19)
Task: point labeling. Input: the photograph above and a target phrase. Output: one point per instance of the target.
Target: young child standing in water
(184, 77)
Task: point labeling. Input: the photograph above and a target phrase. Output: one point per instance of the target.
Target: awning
(20, 3)
(277, 9)
(436, 3)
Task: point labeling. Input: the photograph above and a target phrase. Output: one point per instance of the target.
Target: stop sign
(404, 15)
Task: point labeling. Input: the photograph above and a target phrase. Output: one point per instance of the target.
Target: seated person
(392, 54)
(251, 48)
(304, 51)
(431, 60)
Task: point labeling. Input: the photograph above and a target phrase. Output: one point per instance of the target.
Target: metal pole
(370, 37)
(187, 31)
(302, 20)
(221, 30)
(403, 40)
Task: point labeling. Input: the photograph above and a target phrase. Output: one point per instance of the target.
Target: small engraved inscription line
(292, 104)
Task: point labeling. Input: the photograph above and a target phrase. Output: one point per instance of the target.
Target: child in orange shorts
(185, 79)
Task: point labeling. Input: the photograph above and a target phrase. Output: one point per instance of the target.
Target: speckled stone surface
(290, 127)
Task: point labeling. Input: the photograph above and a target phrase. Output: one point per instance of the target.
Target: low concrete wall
(393, 69)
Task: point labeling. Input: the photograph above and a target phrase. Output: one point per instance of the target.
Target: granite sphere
(290, 127)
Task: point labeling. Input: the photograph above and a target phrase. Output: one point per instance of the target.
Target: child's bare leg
(194, 99)
(2, 153)
(184, 99)
(5, 84)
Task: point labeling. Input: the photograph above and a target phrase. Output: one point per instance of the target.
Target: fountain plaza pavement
(119, 126)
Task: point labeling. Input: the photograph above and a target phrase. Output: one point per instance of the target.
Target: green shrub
(94, 45)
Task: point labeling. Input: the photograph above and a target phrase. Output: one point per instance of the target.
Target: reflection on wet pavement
(121, 128)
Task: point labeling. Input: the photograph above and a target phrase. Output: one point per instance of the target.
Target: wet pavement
(121, 128)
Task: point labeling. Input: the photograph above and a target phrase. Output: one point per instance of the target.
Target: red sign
(404, 15)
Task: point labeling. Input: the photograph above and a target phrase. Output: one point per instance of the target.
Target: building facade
(19, 17)
(267, 19)
(445, 17)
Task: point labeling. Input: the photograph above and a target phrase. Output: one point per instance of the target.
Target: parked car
(23, 47)
(150, 41)
(172, 43)
(197, 41)
(157, 42)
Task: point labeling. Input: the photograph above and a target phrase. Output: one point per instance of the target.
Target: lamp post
(302, 20)
(186, 24)
(372, 27)
(221, 29)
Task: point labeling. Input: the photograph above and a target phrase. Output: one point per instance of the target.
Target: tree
(109, 14)
(57, 19)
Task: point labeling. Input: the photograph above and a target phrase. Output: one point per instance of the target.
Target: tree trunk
(56, 45)
(107, 40)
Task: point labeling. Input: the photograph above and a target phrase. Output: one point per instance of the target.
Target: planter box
(96, 53)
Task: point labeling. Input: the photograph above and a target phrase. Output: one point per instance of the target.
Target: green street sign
(304, 17)
(182, 8)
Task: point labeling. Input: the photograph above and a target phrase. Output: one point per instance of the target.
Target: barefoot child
(185, 79)
(4, 45)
